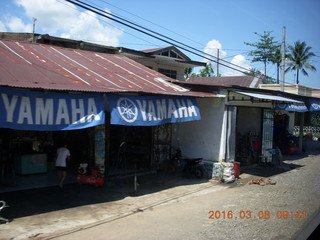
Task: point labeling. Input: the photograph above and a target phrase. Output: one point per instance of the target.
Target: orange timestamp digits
(286, 214)
(246, 214)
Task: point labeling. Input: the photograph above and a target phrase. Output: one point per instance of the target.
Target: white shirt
(62, 154)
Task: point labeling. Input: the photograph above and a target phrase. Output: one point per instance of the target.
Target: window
(171, 54)
(168, 73)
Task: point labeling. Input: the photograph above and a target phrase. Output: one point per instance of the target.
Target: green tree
(298, 59)
(257, 73)
(253, 72)
(187, 72)
(207, 71)
(264, 49)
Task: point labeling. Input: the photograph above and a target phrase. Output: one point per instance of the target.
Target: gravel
(297, 189)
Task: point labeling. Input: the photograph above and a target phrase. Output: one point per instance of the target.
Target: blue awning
(268, 96)
(152, 110)
(48, 111)
(313, 104)
(297, 107)
(281, 102)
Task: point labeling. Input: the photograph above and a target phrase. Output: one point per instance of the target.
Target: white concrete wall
(202, 138)
(165, 65)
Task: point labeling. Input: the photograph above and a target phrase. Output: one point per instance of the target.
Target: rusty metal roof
(30, 65)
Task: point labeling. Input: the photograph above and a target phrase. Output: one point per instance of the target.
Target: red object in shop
(93, 179)
(236, 167)
(292, 148)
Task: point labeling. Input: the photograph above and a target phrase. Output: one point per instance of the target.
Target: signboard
(296, 107)
(152, 110)
(44, 111)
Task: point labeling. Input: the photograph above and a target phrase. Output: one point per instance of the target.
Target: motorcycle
(188, 166)
(193, 167)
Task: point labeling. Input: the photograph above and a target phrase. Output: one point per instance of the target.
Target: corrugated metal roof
(268, 97)
(30, 65)
(243, 81)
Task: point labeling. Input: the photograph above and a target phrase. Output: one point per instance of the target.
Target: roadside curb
(48, 236)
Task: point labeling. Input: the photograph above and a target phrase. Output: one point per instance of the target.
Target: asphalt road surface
(290, 209)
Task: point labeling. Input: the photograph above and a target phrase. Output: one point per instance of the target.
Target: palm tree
(299, 57)
(276, 59)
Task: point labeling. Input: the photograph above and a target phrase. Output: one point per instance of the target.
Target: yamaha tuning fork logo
(127, 109)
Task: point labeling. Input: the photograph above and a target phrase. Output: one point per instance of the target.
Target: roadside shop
(115, 114)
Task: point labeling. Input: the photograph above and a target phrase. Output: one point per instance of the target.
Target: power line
(73, 7)
(159, 36)
(152, 23)
(154, 34)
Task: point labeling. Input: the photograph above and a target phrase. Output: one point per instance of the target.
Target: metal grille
(267, 134)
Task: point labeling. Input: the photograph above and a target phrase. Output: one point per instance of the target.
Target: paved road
(280, 211)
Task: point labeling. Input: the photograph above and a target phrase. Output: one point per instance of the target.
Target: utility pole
(283, 63)
(34, 27)
(217, 62)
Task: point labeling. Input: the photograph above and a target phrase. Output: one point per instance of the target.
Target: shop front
(253, 125)
(141, 130)
(34, 124)
(115, 113)
(135, 138)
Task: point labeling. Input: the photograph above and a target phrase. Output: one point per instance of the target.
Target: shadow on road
(44, 200)
(269, 171)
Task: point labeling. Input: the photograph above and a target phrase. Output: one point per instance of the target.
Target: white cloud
(2, 27)
(94, 30)
(212, 49)
(16, 25)
(62, 19)
(239, 60)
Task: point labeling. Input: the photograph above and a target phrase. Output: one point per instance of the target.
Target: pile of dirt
(261, 182)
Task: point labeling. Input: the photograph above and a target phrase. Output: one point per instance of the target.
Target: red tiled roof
(30, 65)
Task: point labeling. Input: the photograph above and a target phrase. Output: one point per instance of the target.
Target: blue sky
(203, 24)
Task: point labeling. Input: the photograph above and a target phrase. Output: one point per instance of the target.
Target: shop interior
(248, 138)
(285, 141)
(130, 149)
(27, 158)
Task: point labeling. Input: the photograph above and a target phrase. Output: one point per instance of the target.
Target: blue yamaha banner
(296, 107)
(152, 110)
(29, 110)
(314, 104)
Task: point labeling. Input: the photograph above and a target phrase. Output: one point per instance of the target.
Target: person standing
(63, 158)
